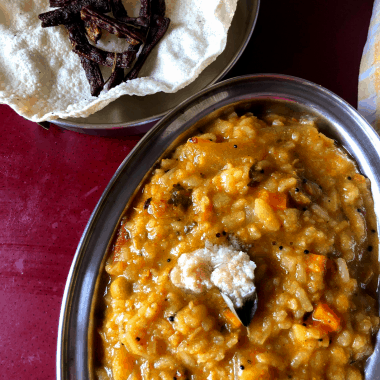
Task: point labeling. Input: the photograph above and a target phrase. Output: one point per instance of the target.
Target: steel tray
(283, 94)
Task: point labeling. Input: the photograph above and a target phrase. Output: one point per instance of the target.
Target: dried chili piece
(139, 22)
(156, 32)
(113, 26)
(132, 52)
(102, 57)
(118, 9)
(70, 12)
(91, 69)
(145, 12)
(147, 203)
(76, 34)
(59, 3)
(121, 14)
(117, 75)
(115, 78)
(180, 197)
(93, 32)
(83, 48)
(158, 7)
(58, 17)
(93, 75)
(255, 176)
(145, 8)
(130, 56)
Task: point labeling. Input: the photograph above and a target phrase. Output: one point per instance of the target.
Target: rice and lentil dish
(292, 200)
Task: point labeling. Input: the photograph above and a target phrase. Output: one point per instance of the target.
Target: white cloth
(369, 76)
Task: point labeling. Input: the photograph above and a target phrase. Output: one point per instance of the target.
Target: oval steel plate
(336, 118)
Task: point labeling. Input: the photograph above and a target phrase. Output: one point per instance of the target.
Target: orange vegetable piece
(123, 364)
(208, 212)
(278, 201)
(359, 178)
(231, 318)
(159, 208)
(128, 363)
(316, 263)
(325, 318)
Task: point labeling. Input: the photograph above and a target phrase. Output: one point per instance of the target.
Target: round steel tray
(137, 114)
(258, 93)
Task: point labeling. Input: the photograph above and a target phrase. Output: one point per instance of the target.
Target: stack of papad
(41, 79)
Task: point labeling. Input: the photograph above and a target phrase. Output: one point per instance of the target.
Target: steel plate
(130, 114)
(259, 93)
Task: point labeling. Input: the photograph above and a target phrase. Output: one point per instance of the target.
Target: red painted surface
(50, 181)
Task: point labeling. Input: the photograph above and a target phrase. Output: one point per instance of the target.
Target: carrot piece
(122, 364)
(127, 363)
(325, 318)
(207, 214)
(231, 318)
(278, 201)
(359, 178)
(316, 263)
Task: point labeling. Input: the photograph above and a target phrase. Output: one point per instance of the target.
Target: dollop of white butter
(225, 267)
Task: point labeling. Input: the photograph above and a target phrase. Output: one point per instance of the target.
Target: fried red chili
(87, 18)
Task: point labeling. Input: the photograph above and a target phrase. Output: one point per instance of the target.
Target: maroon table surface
(51, 180)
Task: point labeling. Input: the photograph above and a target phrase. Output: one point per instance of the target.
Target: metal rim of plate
(337, 119)
(115, 118)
